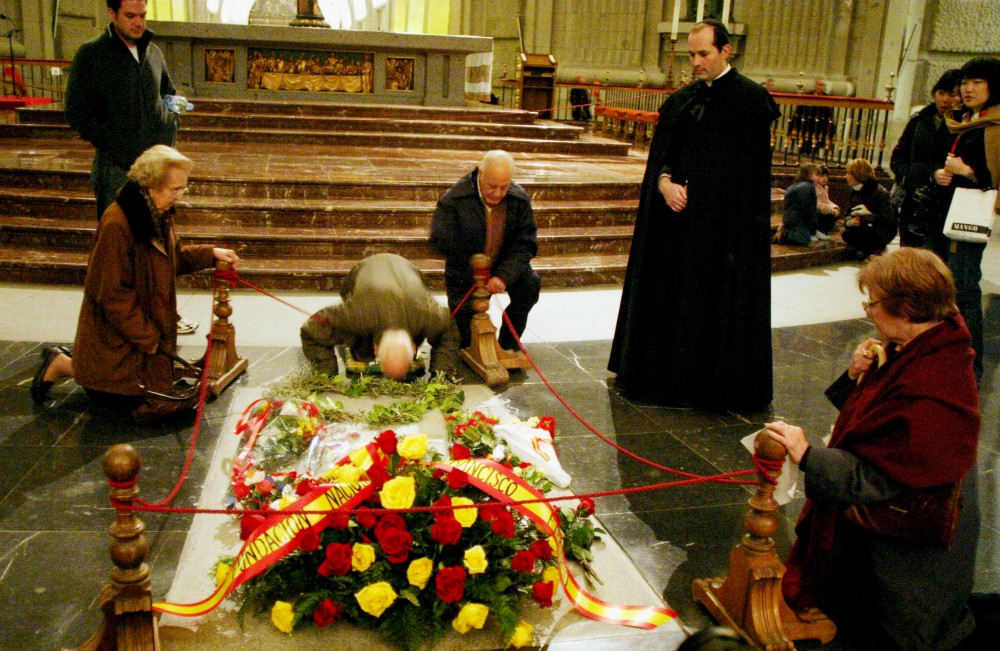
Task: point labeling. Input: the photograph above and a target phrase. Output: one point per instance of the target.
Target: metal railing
(34, 78)
(815, 128)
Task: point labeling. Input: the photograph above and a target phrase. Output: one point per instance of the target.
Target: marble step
(25, 265)
(254, 241)
(45, 113)
(259, 137)
(308, 213)
(322, 187)
(245, 122)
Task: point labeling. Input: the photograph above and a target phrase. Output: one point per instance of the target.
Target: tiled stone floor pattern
(54, 512)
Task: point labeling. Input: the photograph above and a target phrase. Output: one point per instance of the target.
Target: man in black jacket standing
(486, 212)
(114, 98)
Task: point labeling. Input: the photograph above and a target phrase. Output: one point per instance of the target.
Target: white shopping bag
(787, 480)
(534, 446)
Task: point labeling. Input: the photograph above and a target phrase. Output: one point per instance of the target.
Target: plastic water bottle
(177, 103)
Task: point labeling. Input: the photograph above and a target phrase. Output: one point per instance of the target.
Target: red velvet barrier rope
(767, 468)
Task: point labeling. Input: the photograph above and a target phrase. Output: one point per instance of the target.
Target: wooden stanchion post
(129, 623)
(484, 355)
(224, 365)
(749, 600)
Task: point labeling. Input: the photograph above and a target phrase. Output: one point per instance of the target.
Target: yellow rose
(523, 635)
(465, 517)
(419, 572)
(375, 598)
(475, 560)
(222, 571)
(399, 493)
(362, 557)
(348, 474)
(551, 575)
(471, 616)
(413, 447)
(283, 616)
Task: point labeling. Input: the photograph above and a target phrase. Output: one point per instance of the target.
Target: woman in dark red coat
(128, 317)
(908, 427)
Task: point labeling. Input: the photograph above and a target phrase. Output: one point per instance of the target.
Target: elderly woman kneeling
(128, 321)
(887, 538)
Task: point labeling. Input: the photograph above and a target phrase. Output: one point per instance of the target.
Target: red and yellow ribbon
(500, 483)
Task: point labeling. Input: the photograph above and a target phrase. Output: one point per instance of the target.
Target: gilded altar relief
(220, 66)
(310, 70)
(399, 73)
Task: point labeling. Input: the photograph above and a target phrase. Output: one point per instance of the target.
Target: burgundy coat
(130, 299)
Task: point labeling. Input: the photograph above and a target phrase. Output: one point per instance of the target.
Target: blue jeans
(965, 259)
(105, 179)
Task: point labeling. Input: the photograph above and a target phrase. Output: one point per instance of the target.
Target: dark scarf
(146, 223)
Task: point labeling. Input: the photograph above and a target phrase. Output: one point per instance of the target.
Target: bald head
(495, 173)
(394, 352)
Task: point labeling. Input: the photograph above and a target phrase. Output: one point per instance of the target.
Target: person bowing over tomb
(887, 539)
(127, 332)
(487, 212)
(386, 313)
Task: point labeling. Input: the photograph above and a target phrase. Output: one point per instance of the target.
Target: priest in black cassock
(694, 327)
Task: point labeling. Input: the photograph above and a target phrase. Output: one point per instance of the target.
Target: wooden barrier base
(486, 357)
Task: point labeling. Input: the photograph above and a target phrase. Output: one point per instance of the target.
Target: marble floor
(53, 502)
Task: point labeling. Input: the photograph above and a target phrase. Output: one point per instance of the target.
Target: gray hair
(150, 169)
(497, 157)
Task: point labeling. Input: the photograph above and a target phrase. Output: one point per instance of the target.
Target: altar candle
(701, 11)
(725, 11)
(677, 16)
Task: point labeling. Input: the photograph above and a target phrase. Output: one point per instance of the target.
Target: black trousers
(523, 296)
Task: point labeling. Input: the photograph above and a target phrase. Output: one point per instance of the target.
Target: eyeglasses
(866, 306)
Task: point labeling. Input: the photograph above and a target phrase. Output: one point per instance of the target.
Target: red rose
(450, 584)
(459, 451)
(378, 476)
(304, 487)
(388, 522)
(541, 592)
(443, 503)
(548, 423)
(366, 519)
(387, 442)
(457, 479)
(586, 507)
(541, 549)
(446, 530)
(396, 544)
(523, 561)
(240, 489)
(338, 520)
(326, 612)
(489, 511)
(338, 560)
(265, 486)
(309, 541)
(438, 474)
(503, 524)
(249, 523)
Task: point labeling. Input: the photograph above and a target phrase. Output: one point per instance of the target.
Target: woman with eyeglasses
(886, 542)
(127, 330)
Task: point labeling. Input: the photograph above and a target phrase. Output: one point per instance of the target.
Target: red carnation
(450, 584)
(309, 541)
(523, 561)
(249, 523)
(541, 592)
(541, 549)
(396, 544)
(338, 560)
(338, 520)
(387, 442)
(389, 522)
(366, 519)
(457, 479)
(548, 423)
(326, 612)
(586, 507)
(446, 530)
(503, 524)
(459, 451)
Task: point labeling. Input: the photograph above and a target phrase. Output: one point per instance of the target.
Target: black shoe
(39, 385)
